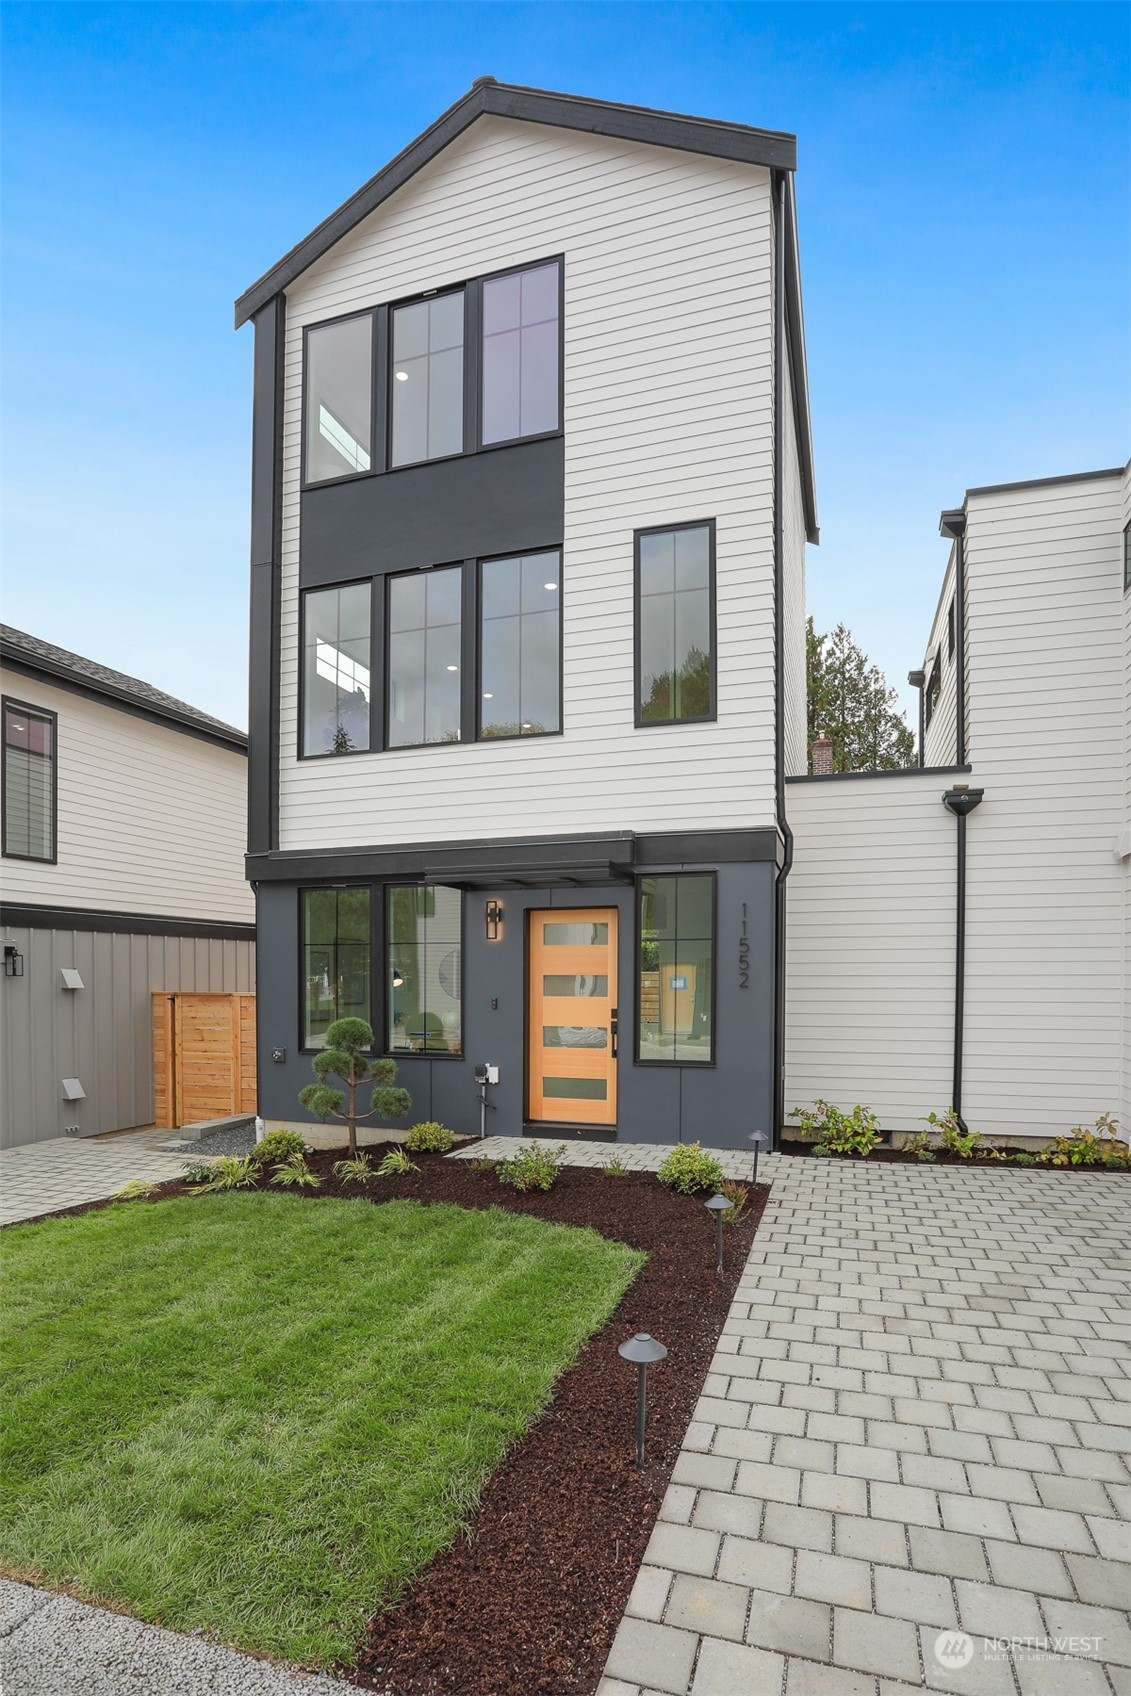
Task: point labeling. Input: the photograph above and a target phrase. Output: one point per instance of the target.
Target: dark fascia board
(798, 369)
(774, 149)
(21, 914)
(957, 515)
(15, 659)
(856, 776)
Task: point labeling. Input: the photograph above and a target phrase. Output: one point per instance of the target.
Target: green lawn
(261, 1415)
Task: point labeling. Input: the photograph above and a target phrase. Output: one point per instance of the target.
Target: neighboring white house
(124, 823)
(532, 485)
(1026, 690)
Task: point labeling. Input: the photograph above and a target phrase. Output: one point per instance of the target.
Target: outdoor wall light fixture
(718, 1205)
(961, 799)
(761, 1140)
(397, 978)
(644, 1351)
(493, 913)
(13, 961)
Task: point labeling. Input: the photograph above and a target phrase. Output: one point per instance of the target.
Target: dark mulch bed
(529, 1600)
(804, 1150)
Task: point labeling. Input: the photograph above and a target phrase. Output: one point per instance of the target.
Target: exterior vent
(73, 1090)
(71, 978)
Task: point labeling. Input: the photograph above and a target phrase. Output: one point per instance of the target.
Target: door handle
(613, 1031)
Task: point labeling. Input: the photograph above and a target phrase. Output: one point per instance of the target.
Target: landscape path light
(760, 1139)
(645, 1351)
(718, 1205)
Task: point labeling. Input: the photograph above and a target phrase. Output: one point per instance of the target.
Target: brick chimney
(821, 757)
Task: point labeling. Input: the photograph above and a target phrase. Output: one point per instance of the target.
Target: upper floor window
(950, 631)
(934, 690)
(335, 960)
(336, 687)
(675, 621)
(676, 932)
(424, 944)
(521, 356)
(520, 645)
(339, 399)
(1126, 558)
(29, 782)
(425, 622)
(427, 392)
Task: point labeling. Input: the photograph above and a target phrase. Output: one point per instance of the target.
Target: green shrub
(1024, 1159)
(228, 1173)
(738, 1195)
(136, 1190)
(687, 1169)
(354, 1171)
(614, 1168)
(857, 1132)
(294, 1173)
(1097, 1147)
(197, 1171)
(920, 1146)
(347, 1056)
(429, 1137)
(278, 1145)
(396, 1164)
(486, 1168)
(953, 1138)
(532, 1167)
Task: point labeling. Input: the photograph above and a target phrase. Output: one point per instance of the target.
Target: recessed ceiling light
(453, 668)
(488, 697)
(402, 376)
(527, 727)
(549, 585)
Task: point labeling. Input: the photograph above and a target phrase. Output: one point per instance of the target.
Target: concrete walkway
(61, 1172)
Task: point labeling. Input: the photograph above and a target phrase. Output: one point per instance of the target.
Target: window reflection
(676, 968)
(336, 678)
(674, 582)
(427, 387)
(339, 399)
(520, 643)
(424, 657)
(425, 970)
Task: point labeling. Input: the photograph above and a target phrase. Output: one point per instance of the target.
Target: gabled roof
(33, 655)
(773, 148)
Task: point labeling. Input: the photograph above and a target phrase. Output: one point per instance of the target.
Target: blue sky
(963, 197)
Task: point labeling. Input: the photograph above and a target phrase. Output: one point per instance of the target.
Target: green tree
(850, 703)
(685, 693)
(346, 1056)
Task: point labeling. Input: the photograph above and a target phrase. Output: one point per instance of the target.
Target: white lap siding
(668, 417)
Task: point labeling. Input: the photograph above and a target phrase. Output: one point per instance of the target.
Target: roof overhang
(775, 149)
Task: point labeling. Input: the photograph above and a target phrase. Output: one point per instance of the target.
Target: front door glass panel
(572, 1017)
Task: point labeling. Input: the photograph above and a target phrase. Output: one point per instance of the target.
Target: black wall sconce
(13, 961)
(493, 912)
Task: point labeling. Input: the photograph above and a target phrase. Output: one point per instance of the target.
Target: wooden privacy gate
(203, 1057)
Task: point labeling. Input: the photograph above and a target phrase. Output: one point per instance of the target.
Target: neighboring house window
(424, 657)
(676, 931)
(427, 388)
(520, 645)
(29, 782)
(675, 617)
(336, 688)
(521, 355)
(424, 950)
(335, 960)
(1126, 558)
(934, 690)
(339, 399)
(950, 631)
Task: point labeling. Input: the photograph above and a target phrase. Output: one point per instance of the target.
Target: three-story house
(532, 483)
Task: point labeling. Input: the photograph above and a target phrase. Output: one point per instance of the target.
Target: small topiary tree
(346, 1056)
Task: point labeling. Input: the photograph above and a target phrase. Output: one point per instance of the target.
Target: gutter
(779, 673)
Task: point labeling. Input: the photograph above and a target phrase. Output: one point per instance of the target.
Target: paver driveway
(61, 1172)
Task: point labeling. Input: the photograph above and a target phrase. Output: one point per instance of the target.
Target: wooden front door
(572, 1016)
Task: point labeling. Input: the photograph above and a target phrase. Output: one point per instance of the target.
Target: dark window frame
(933, 691)
(300, 737)
(709, 524)
(375, 439)
(382, 1031)
(950, 629)
(557, 259)
(638, 940)
(542, 735)
(10, 701)
(1126, 557)
(422, 297)
(386, 580)
(315, 888)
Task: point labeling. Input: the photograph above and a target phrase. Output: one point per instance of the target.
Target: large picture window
(675, 590)
(335, 960)
(339, 399)
(676, 931)
(29, 782)
(425, 970)
(520, 354)
(520, 645)
(427, 389)
(424, 657)
(336, 688)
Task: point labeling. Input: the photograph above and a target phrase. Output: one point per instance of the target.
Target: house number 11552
(743, 954)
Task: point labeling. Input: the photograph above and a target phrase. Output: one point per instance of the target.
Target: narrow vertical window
(425, 970)
(339, 399)
(1126, 558)
(950, 631)
(427, 397)
(934, 690)
(676, 929)
(29, 783)
(675, 572)
(424, 657)
(521, 354)
(520, 645)
(335, 960)
(336, 675)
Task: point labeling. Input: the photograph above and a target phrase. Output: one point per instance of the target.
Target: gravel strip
(53, 1646)
(238, 1142)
